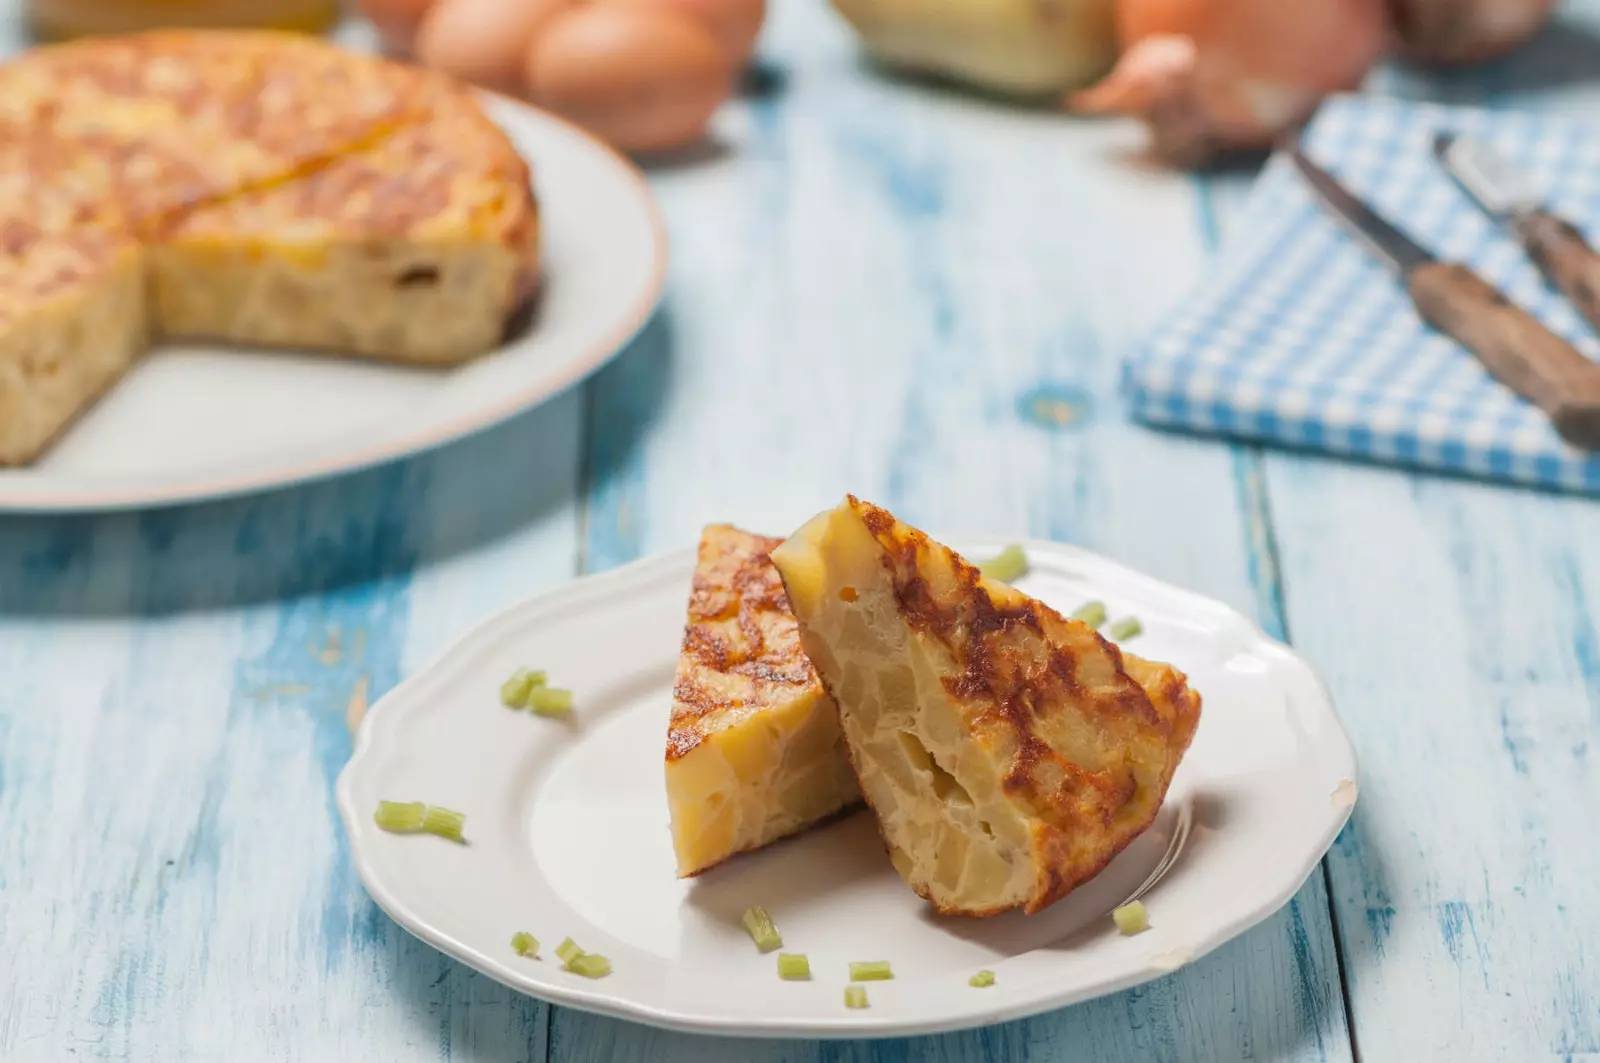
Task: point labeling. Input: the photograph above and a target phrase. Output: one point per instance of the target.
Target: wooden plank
(1458, 633)
(176, 707)
(870, 292)
(1457, 626)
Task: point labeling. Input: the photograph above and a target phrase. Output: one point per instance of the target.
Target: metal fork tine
(1180, 837)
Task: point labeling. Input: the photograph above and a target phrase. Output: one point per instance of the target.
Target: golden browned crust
(177, 118)
(448, 172)
(1094, 778)
(741, 643)
(37, 266)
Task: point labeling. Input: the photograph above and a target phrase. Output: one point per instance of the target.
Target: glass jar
(57, 19)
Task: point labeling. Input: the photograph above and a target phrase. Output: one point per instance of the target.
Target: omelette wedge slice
(419, 248)
(1008, 752)
(753, 749)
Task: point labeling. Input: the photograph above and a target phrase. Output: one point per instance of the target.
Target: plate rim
(862, 1026)
(356, 457)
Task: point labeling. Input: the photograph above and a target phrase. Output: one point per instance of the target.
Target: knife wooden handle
(1521, 353)
(1565, 258)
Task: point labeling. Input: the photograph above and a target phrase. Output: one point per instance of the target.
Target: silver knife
(1555, 245)
(1519, 351)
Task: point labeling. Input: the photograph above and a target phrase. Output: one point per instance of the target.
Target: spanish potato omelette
(754, 752)
(1008, 752)
(266, 188)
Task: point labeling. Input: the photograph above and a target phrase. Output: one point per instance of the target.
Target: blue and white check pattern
(1300, 337)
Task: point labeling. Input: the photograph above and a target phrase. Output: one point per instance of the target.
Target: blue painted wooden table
(883, 288)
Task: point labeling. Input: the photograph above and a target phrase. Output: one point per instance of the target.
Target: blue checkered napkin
(1298, 336)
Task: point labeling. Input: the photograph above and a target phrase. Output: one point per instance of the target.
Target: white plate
(201, 421)
(567, 827)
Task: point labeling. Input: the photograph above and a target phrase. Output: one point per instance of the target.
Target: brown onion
(1465, 31)
(1208, 75)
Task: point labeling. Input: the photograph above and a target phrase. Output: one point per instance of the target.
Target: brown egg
(645, 77)
(485, 41)
(396, 21)
(734, 23)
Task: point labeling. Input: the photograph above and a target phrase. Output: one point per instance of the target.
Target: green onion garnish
(590, 965)
(873, 971)
(514, 691)
(1131, 918)
(793, 966)
(1126, 628)
(1011, 564)
(762, 932)
(549, 701)
(444, 822)
(525, 943)
(855, 996)
(981, 980)
(1091, 613)
(413, 817)
(401, 817)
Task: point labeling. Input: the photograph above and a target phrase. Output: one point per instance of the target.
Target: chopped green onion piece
(874, 971)
(549, 701)
(568, 950)
(1091, 613)
(855, 996)
(401, 817)
(793, 966)
(981, 980)
(1011, 564)
(514, 691)
(1131, 918)
(1126, 628)
(413, 817)
(525, 943)
(762, 932)
(444, 822)
(590, 965)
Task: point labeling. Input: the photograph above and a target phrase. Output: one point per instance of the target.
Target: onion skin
(1208, 76)
(1456, 32)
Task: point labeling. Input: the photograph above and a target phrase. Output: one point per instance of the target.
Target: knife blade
(1512, 345)
(1556, 246)
(1391, 246)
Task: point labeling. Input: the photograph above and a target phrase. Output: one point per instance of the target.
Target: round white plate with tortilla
(567, 827)
(199, 421)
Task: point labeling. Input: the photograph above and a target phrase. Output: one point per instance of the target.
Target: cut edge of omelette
(1008, 752)
(76, 323)
(753, 750)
